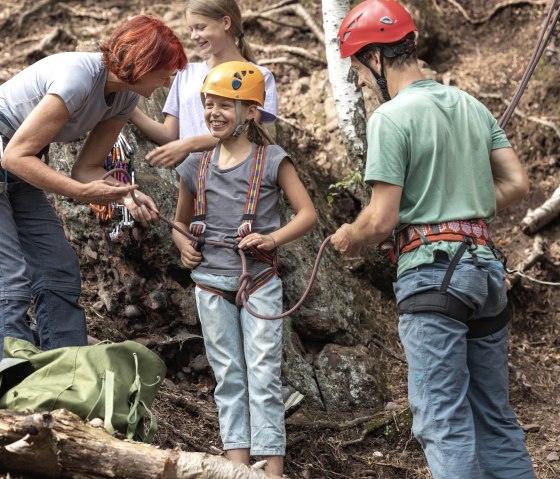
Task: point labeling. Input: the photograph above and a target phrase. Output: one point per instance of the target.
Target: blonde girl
(217, 30)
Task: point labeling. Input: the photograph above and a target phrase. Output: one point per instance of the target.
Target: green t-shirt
(435, 142)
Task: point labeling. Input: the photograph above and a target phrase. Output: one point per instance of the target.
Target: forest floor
(481, 46)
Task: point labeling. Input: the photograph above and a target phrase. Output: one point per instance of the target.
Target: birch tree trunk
(348, 99)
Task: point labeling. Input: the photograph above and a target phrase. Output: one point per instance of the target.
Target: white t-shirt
(184, 103)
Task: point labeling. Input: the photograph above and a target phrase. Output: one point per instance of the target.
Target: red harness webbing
(413, 236)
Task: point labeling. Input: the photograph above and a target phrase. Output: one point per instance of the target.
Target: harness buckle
(200, 240)
(199, 223)
(244, 229)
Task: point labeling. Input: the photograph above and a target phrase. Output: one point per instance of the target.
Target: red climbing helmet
(374, 22)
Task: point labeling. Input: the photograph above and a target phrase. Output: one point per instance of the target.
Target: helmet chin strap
(240, 127)
(379, 78)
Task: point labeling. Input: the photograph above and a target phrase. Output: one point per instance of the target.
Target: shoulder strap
(251, 202)
(198, 225)
(249, 214)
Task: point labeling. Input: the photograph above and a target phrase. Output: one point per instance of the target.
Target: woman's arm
(161, 133)
(303, 221)
(183, 217)
(511, 183)
(37, 131)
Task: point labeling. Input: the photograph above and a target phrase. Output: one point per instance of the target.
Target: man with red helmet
(441, 168)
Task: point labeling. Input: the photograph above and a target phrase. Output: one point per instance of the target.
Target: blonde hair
(218, 9)
(257, 134)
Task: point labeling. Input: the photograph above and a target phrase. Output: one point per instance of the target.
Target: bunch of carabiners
(120, 157)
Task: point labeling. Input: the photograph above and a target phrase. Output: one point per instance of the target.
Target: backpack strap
(198, 225)
(251, 203)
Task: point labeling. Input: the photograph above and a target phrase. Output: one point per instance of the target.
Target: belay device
(120, 157)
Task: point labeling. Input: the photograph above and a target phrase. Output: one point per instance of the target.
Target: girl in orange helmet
(230, 194)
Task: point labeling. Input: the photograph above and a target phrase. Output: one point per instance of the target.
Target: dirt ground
(481, 46)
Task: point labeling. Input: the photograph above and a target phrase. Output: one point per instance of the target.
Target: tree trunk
(60, 445)
(348, 99)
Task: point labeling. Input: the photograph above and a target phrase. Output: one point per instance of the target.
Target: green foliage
(351, 182)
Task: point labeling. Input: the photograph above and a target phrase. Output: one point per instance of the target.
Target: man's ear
(375, 59)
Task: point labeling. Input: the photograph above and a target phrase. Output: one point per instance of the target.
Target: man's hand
(168, 155)
(345, 242)
(146, 212)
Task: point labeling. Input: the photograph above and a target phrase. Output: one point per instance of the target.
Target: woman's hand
(146, 212)
(168, 155)
(265, 242)
(101, 192)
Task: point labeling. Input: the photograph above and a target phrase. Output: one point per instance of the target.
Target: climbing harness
(198, 225)
(245, 281)
(471, 234)
(118, 161)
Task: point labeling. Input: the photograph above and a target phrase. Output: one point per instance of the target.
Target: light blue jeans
(245, 354)
(458, 387)
(36, 261)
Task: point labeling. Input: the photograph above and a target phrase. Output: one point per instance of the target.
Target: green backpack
(113, 381)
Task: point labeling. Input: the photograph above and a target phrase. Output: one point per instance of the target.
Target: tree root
(284, 7)
(495, 9)
(302, 52)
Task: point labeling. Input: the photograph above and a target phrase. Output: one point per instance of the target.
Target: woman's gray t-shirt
(226, 191)
(79, 80)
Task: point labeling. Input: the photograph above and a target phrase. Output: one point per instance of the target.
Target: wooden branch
(535, 219)
(36, 8)
(495, 9)
(288, 7)
(59, 444)
(302, 52)
(284, 61)
(536, 256)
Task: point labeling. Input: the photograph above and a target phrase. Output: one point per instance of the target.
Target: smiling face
(220, 116)
(211, 36)
(146, 85)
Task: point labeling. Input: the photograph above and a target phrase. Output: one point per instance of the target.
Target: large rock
(146, 293)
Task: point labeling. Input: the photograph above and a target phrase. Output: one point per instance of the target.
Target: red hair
(140, 46)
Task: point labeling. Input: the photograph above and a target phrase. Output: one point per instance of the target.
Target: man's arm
(511, 183)
(374, 224)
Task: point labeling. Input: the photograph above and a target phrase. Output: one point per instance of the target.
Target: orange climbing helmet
(374, 22)
(236, 80)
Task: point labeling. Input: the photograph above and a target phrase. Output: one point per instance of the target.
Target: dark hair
(140, 46)
(396, 55)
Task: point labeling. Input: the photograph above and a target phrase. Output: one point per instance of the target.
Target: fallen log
(544, 214)
(59, 444)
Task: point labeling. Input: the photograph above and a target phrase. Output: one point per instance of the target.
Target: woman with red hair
(59, 99)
